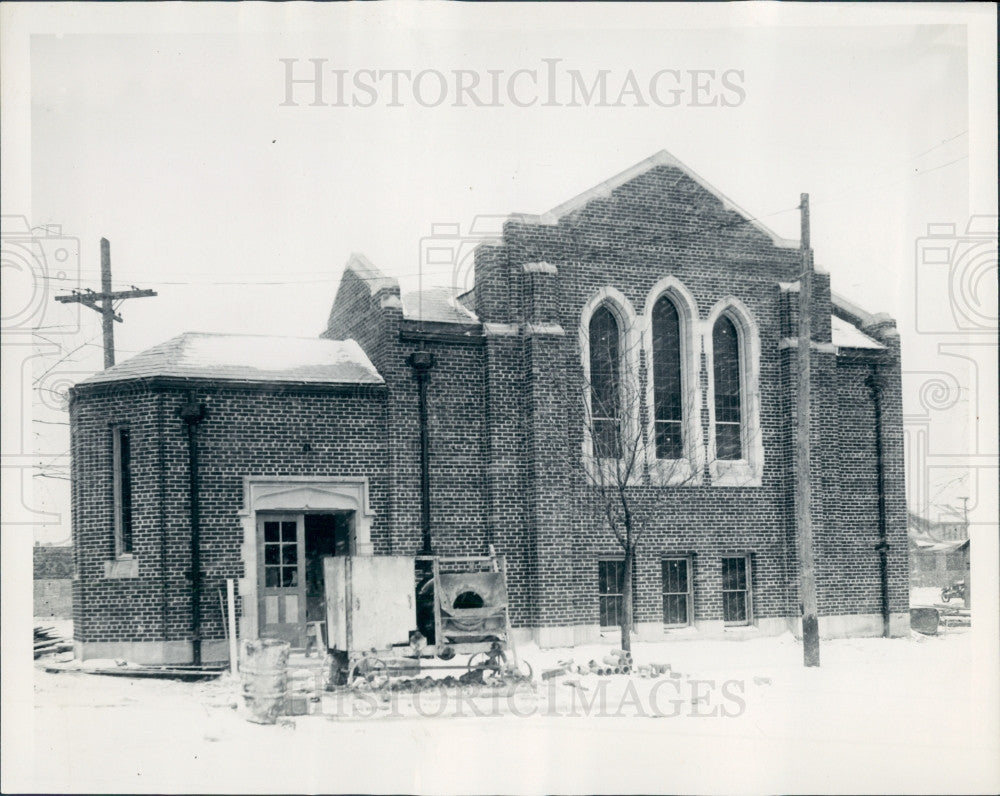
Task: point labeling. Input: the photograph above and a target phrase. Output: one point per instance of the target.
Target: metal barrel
(265, 679)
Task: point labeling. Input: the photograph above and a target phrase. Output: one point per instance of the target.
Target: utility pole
(103, 302)
(803, 485)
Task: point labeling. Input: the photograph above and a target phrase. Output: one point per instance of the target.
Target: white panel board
(370, 601)
(383, 601)
(335, 583)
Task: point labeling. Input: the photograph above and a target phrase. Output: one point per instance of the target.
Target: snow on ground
(930, 596)
(902, 715)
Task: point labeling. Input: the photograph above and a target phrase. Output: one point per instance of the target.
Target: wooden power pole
(103, 302)
(803, 481)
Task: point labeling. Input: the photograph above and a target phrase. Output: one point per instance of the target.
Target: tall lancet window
(728, 390)
(605, 384)
(667, 388)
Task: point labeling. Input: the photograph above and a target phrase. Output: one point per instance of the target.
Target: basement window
(736, 596)
(676, 592)
(611, 592)
(123, 490)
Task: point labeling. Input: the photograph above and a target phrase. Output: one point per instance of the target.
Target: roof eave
(167, 382)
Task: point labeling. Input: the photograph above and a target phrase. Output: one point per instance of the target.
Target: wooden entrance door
(281, 577)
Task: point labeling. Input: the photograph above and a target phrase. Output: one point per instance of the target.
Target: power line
(331, 280)
(61, 360)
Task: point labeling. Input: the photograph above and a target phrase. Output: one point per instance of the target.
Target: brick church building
(647, 318)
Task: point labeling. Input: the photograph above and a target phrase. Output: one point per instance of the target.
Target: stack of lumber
(48, 642)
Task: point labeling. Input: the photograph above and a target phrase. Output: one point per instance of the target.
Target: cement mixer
(382, 626)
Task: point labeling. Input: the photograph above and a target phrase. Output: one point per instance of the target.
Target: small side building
(289, 464)
(939, 551)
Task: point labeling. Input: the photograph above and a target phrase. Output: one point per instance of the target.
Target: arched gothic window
(667, 387)
(728, 390)
(605, 383)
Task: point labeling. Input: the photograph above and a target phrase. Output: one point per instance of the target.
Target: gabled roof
(245, 357)
(661, 158)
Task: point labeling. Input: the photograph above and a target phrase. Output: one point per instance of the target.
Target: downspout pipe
(422, 362)
(875, 388)
(192, 413)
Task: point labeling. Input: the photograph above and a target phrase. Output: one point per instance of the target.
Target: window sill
(735, 474)
(677, 630)
(605, 472)
(122, 568)
(673, 472)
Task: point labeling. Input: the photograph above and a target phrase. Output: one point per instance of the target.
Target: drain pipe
(192, 413)
(875, 388)
(422, 362)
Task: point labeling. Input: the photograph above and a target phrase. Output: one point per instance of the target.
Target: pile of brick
(617, 662)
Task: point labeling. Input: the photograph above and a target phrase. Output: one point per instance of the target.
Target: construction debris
(179, 672)
(47, 642)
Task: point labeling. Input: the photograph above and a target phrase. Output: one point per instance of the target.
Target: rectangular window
(123, 490)
(611, 591)
(281, 554)
(736, 605)
(676, 592)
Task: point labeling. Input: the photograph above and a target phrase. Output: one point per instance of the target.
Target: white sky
(161, 129)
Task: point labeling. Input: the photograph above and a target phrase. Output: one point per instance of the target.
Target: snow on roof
(661, 158)
(931, 545)
(846, 335)
(436, 305)
(369, 273)
(850, 308)
(247, 357)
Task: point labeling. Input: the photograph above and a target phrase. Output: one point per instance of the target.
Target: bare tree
(622, 447)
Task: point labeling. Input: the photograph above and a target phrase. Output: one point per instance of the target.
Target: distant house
(53, 575)
(457, 421)
(939, 551)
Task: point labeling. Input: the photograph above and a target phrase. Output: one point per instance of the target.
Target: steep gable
(692, 196)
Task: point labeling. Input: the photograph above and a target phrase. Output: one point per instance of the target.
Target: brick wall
(660, 224)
